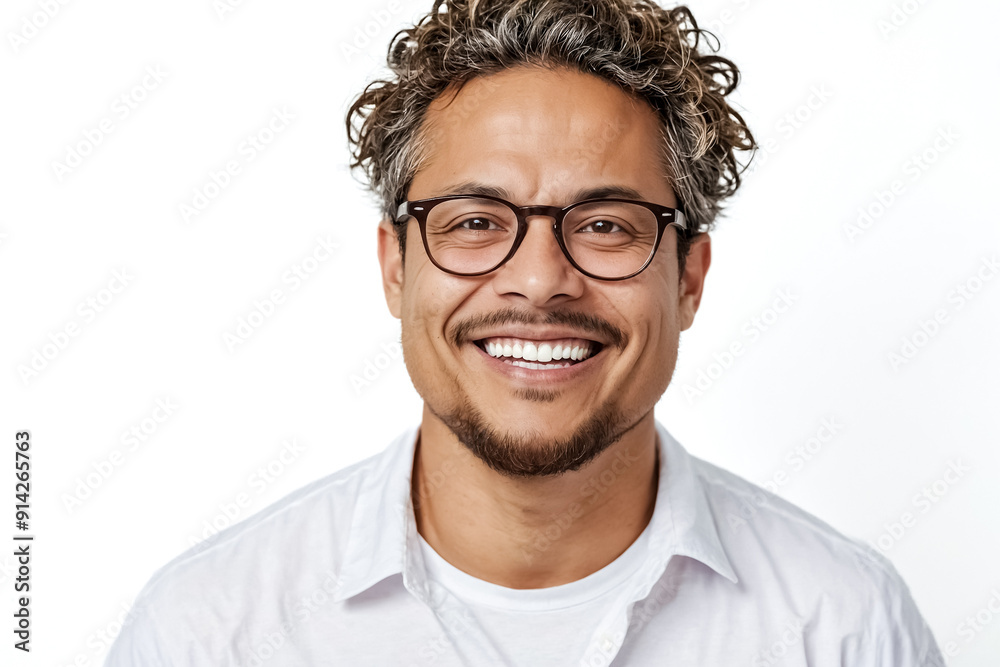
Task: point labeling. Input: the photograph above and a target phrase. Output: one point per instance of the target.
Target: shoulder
(235, 581)
(792, 560)
(754, 518)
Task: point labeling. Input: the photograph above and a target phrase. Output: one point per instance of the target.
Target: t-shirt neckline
(469, 589)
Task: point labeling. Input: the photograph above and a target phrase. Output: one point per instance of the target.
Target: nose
(539, 272)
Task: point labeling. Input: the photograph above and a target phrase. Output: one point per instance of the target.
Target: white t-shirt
(543, 626)
(724, 574)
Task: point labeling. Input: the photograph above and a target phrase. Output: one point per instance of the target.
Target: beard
(525, 455)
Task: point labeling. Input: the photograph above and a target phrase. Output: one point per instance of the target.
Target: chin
(528, 452)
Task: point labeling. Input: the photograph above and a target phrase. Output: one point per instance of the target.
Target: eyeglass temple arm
(402, 211)
(682, 222)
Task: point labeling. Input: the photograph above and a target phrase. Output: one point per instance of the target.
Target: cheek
(660, 347)
(657, 359)
(432, 315)
(424, 294)
(654, 324)
(430, 301)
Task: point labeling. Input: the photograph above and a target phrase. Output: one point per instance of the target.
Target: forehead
(540, 132)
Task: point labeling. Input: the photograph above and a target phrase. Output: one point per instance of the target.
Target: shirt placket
(610, 635)
(472, 645)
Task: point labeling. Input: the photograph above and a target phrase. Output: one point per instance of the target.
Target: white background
(886, 96)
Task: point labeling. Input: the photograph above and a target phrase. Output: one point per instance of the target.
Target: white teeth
(536, 367)
(544, 353)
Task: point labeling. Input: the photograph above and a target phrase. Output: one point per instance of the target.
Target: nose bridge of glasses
(553, 212)
(551, 215)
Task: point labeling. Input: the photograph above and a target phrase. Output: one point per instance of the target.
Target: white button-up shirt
(725, 574)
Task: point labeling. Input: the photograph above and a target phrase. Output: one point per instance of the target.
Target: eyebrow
(477, 188)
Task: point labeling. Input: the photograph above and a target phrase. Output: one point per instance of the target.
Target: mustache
(583, 322)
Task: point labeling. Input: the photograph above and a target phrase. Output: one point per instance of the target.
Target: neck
(532, 532)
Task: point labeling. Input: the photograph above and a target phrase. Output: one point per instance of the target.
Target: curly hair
(647, 51)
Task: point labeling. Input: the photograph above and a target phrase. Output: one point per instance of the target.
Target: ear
(693, 280)
(391, 261)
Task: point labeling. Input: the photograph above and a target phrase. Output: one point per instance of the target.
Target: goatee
(521, 455)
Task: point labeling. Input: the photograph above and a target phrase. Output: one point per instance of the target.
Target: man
(548, 171)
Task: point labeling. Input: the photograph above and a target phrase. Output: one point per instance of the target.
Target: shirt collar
(683, 522)
(383, 534)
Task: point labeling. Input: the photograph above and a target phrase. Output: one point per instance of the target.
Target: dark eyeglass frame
(665, 216)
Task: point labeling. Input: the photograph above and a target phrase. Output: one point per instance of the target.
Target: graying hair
(649, 52)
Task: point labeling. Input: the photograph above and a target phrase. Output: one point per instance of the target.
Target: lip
(536, 378)
(536, 333)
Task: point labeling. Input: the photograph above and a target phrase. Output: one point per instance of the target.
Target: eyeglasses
(606, 239)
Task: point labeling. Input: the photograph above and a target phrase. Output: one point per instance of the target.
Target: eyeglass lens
(606, 238)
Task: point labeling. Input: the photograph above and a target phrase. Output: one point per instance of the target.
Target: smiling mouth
(539, 355)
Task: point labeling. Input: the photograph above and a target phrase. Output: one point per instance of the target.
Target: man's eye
(477, 225)
(600, 227)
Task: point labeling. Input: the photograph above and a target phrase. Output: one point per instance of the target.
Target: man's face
(540, 137)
